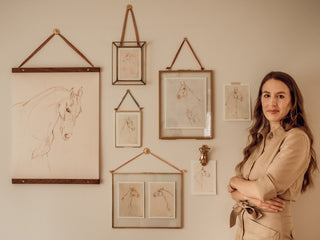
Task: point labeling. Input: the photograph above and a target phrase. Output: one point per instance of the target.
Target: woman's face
(276, 102)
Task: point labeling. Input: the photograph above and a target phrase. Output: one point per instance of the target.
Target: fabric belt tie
(240, 208)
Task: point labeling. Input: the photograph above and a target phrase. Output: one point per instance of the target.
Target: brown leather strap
(56, 32)
(128, 92)
(37, 50)
(147, 151)
(129, 9)
(194, 54)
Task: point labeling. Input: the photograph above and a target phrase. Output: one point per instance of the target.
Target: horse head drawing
(69, 110)
(47, 113)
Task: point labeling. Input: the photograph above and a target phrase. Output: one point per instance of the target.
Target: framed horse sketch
(128, 128)
(147, 200)
(55, 125)
(128, 59)
(128, 122)
(237, 102)
(185, 99)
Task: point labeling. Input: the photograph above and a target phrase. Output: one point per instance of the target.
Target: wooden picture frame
(185, 104)
(55, 125)
(162, 199)
(128, 128)
(128, 63)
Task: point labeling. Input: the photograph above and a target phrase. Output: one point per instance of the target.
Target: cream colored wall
(240, 40)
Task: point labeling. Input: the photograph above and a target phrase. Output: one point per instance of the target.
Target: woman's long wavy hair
(295, 118)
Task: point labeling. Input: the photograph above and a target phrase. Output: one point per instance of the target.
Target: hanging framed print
(147, 199)
(237, 102)
(128, 128)
(128, 124)
(129, 57)
(185, 102)
(55, 125)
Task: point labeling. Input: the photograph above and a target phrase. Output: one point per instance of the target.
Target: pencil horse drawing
(47, 114)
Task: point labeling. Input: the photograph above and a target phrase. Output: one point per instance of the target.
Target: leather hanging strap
(135, 101)
(194, 54)
(147, 151)
(129, 9)
(55, 32)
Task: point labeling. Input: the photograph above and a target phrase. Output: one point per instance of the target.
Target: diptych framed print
(55, 125)
(147, 200)
(185, 99)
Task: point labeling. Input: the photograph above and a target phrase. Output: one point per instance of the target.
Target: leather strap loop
(56, 32)
(194, 54)
(129, 9)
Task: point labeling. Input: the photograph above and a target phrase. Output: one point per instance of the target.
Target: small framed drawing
(128, 128)
(185, 99)
(147, 200)
(203, 178)
(128, 59)
(237, 102)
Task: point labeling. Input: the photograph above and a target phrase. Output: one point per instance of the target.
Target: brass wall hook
(204, 149)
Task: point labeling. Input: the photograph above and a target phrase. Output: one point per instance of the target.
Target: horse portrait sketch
(162, 202)
(131, 199)
(44, 118)
(237, 102)
(186, 104)
(128, 128)
(129, 63)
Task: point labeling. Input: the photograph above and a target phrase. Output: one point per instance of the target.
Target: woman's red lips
(272, 111)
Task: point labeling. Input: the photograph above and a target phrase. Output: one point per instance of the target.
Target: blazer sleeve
(287, 167)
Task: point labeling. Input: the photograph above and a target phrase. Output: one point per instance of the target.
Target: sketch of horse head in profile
(192, 103)
(165, 195)
(51, 112)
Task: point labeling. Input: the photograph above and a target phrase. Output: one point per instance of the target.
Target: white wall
(240, 40)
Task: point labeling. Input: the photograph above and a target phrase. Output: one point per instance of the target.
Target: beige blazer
(278, 165)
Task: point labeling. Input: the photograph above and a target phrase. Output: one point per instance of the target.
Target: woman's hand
(273, 205)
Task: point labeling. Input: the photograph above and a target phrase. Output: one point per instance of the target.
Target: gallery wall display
(185, 102)
(128, 124)
(55, 123)
(237, 102)
(147, 199)
(129, 57)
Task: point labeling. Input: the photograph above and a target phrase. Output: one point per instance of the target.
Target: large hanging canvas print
(55, 123)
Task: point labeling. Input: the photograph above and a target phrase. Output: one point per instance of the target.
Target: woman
(277, 165)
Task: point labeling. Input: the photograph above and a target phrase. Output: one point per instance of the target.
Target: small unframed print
(162, 199)
(129, 63)
(128, 129)
(237, 102)
(131, 199)
(203, 178)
